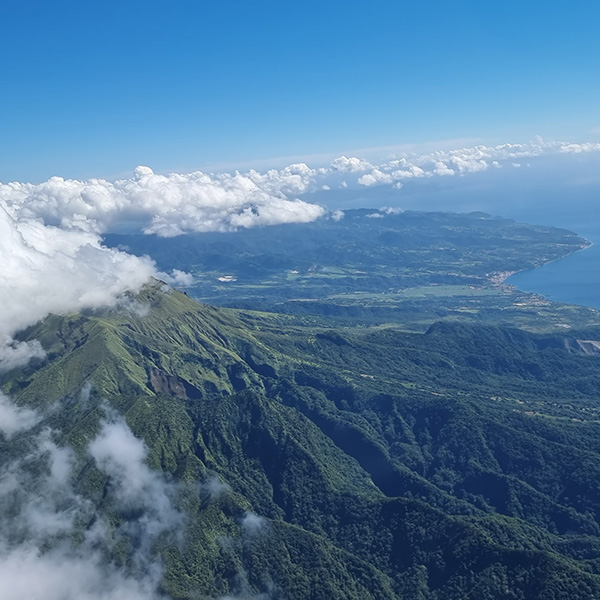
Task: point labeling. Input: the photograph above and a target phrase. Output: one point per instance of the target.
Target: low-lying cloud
(253, 524)
(122, 457)
(50, 233)
(48, 269)
(461, 161)
(54, 544)
(13, 418)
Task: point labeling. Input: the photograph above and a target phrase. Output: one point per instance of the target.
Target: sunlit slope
(461, 463)
(158, 342)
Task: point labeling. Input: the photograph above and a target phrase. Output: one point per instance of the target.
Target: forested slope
(312, 463)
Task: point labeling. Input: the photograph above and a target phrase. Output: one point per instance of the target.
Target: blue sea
(574, 279)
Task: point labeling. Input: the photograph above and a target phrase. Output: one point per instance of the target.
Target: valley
(375, 266)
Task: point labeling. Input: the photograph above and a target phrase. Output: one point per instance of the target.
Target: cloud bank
(167, 205)
(458, 162)
(50, 233)
(53, 261)
(176, 204)
(46, 269)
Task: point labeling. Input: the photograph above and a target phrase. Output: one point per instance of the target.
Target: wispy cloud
(14, 419)
(54, 544)
(122, 456)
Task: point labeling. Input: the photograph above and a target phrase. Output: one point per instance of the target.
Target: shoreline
(511, 273)
(547, 294)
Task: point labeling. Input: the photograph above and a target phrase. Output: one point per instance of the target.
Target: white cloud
(14, 354)
(452, 162)
(374, 177)
(54, 261)
(178, 278)
(253, 524)
(392, 210)
(175, 204)
(214, 487)
(46, 269)
(119, 454)
(168, 205)
(134, 486)
(441, 168)
(13, 418)
(344, 164)
(579, 148)
(27, 572)
(40, 512)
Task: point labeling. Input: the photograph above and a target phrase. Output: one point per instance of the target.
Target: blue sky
(95, 88)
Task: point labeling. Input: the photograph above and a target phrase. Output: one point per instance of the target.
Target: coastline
(501, 277)
(566, 285)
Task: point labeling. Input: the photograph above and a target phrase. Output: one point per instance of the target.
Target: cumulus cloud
(441, 168)
(344, 164)
(374, 177)
(168, 205)
(46, 269)
(54, 260)
(176, 204)
(392, 210)
(460, 161)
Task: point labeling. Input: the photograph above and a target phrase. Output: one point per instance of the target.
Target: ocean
(574, 279)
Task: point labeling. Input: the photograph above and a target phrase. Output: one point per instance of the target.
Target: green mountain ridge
(459, 463)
